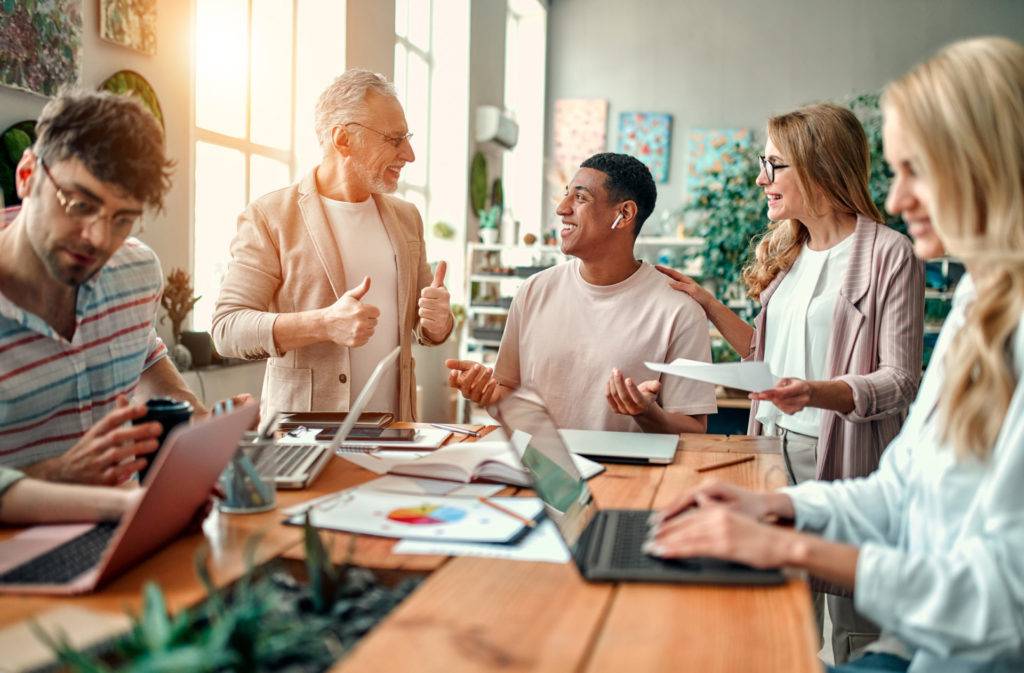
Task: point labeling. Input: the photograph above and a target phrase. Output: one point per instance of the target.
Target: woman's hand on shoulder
(683, 283)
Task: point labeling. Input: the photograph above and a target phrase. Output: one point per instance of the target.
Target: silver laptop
(605, 544)
(643, 448)
(297, 464)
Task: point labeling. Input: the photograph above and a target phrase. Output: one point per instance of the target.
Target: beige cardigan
(875, 347)
(285, 259)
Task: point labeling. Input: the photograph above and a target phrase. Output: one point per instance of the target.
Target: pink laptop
(77, 558)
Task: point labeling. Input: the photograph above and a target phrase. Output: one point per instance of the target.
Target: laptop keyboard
(630, 531)
(66, 562)
(287, 460)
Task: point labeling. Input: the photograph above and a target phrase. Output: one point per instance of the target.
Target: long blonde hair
(963, 113)
(827, 148)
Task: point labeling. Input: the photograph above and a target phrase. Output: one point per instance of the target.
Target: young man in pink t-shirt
(578, 334)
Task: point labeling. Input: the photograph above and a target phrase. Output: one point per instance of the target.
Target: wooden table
(474, 614)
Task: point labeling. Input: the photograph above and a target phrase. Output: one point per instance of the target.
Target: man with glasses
(78, 295)
(329, 275)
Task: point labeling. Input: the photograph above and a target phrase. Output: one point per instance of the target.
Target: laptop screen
(559, 484)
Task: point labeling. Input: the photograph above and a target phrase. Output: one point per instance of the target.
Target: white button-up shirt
(941, 565)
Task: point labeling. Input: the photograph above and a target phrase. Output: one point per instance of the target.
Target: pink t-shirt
(563, 336)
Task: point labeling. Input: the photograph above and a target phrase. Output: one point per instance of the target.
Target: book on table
(483, 461)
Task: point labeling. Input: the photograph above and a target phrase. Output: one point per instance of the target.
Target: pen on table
(505, 510)
(727, 463)
(456, 429)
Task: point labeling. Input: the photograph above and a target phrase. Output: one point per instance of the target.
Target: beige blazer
(875, 347)
(284, 259)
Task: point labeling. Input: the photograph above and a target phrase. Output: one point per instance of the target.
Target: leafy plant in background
(16, 140)
(178, 300)
(866, 107)
(729, 210)
(270, 623)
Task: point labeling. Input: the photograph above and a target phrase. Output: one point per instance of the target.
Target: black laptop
(605, 544)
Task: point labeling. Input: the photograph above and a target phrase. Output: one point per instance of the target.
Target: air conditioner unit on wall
(493, 125)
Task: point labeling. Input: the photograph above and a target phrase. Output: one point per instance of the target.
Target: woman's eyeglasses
(769, 168)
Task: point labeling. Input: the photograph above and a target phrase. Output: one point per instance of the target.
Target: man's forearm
(656, 419)
(299, 329)
(33, 501)
(162, 379)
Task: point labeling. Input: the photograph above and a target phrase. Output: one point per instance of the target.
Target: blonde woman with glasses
(842, 316)
(932, 544)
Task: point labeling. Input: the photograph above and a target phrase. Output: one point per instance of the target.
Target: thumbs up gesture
(435, 307)
(349, 321)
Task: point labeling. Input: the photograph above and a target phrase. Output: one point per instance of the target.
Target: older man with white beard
(328, 275)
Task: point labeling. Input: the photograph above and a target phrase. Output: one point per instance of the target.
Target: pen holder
(245, 491)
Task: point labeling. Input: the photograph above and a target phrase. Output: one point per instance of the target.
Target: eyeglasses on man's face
(87, 211)
(396, 141)
(769, 168)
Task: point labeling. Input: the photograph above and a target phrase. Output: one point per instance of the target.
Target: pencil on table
(727, 463)
(505, 510)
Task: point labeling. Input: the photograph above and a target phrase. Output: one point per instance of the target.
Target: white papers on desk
(407, 516)
(752, 375)
(541, 544)
(408, 485)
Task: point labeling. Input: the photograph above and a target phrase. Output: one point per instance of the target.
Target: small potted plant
(178, 300)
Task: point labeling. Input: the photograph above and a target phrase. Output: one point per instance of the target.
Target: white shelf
(489, 343)
(499, 247)
(690, 242)
(931, 293)
(490, 278)
(487, 310)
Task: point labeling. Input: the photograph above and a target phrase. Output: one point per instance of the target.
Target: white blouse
(798, 329)
(941, 564)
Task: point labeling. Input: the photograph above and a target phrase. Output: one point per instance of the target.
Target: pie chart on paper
(426, 515)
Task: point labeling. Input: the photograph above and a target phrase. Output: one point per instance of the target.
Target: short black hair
(116, 139)
(628, 180)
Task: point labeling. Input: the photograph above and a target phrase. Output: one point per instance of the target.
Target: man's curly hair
(628, 180)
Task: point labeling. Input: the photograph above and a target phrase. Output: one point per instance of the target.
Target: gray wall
(732, 63)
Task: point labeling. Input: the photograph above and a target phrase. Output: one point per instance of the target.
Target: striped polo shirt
(52, 390)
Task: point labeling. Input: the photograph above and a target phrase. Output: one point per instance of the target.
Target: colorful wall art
(648, 137)
(709, 152)
(580, 131)
(41, 43)
(129, 23)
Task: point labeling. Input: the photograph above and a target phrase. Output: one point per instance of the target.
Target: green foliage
(730, 211)
(265, 623)
(498, 196)
(489, 217)
(443, 231)
(865, 106)
(478, 182)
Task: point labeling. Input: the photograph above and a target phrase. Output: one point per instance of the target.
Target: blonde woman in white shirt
(932, 544)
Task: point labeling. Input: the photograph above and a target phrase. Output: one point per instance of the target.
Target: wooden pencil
(726, 463)
(505, 510)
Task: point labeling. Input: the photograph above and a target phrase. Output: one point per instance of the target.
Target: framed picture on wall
(129, 23)
(42, 41)
(648, 137)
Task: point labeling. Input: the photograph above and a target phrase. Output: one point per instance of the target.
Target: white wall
(169, 73)
(736, 62)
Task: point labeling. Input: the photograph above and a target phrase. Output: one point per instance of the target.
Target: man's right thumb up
(360, 290)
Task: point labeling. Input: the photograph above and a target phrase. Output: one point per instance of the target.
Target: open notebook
(486, 461)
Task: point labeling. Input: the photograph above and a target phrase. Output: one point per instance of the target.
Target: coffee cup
(169, 413)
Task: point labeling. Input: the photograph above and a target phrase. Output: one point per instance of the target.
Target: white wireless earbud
(618, 218)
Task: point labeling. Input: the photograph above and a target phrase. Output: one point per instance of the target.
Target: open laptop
(297, 464)
(605, 544)
(76, 558)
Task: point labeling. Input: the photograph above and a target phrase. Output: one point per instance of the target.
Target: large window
(413, 71)
(253, 118)
(523, 170)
